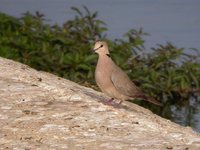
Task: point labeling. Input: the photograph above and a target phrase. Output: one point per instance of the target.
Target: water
(186, 113)
(176, 21)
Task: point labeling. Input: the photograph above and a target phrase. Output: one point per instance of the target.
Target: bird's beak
(94, 50)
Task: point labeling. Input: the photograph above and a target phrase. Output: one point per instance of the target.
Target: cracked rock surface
(39, 110)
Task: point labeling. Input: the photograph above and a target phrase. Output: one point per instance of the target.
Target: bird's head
(101, 47)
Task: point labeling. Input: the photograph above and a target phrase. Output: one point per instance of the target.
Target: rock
(39, 110)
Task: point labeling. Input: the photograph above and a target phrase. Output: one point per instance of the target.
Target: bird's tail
(150, 99)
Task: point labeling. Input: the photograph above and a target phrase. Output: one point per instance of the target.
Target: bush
(167, 73)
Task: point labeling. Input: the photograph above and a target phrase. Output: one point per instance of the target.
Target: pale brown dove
(112, 80)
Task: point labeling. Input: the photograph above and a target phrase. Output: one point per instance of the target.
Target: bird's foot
(110, 101)
(118, 105)
(113, 103)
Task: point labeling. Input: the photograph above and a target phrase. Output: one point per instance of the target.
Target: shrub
(167, 73)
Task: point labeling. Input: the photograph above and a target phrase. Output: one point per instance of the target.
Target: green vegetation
(167, 73)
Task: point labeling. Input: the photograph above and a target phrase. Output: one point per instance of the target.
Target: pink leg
(120, 102)
(118, 105)
(113, 103)
(109, 102)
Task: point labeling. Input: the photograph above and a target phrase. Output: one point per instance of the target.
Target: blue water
(176, 21)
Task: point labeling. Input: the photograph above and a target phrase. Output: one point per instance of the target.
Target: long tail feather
(150, 99)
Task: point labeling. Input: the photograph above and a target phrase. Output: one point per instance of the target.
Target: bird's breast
(103, 73)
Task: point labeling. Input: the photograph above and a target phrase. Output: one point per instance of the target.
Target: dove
(112, 80)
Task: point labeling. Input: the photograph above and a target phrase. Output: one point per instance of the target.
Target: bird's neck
(104, 59)
(108, 55)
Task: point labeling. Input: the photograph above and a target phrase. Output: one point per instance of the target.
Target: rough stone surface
(39, 110)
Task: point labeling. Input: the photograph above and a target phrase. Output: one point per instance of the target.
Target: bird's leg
(120, 102)
(113, 103)
(118, 105)
(110, 101)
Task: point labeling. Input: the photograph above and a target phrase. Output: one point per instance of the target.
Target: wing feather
(123, 83)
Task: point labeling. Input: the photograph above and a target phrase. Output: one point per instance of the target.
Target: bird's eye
(101, 46)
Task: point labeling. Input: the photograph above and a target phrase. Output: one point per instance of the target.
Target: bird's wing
(125, 86)
(122, 83)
